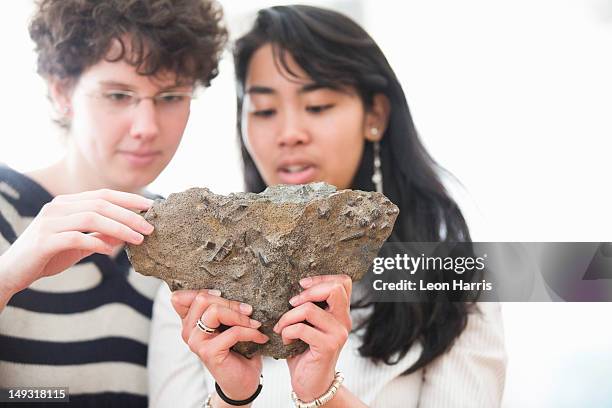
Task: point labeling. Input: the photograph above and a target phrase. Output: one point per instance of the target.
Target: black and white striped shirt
(86, 328)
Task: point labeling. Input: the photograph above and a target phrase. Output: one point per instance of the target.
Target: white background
(513, 97)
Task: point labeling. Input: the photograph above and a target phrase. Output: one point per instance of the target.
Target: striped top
(86, 328)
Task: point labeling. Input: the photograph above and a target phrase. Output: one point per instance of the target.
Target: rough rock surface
(256, 247)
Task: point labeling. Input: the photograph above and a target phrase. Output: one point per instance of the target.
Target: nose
(292, 131)
(144, 120)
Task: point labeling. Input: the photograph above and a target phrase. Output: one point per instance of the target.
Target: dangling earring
(377, 177)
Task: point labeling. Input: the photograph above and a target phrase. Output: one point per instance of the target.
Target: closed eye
(319, 108)
(173, 97)
(118, 96)
(264, 113)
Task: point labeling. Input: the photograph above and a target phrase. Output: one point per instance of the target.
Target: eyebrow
(265, 90)
(124, 85)
(115, 83)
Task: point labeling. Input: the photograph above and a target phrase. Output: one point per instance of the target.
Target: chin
(136, 182)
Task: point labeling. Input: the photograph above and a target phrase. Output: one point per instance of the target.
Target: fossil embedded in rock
(255, 248)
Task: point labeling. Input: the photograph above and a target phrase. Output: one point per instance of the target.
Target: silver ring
(204, 328)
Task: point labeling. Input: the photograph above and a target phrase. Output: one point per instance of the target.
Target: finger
(94, 222)
(197, 338)
(220, 345)
(204, 300)
(104, 208)
(340, 306)
(307, 334)
(123, 199)
(182, 299)
(309, 312)
(321, 292)
(333, 293)
(343, 279)
(215, 315)
(113, 242)
(72, 240)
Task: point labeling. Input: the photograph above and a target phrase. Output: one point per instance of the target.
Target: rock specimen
(255, 248)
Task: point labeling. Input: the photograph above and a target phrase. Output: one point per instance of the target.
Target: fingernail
(138, 238)
(148, 228)
(294, 300)
(254, 323)
(244, 308)
(214, 292)
(306, 282)
(275, 329)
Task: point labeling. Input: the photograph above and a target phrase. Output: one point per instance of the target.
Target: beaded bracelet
(323, 399)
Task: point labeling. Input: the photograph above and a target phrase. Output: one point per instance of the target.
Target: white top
(471, 374)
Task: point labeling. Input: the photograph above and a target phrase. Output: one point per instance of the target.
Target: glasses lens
(118, 99)
(172, 101)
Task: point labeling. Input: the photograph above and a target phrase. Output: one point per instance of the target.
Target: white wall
(513, 97)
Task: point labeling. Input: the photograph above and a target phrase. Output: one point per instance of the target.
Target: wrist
(322, 399)
(231, 401)
(239, 391)
(6, 289)
(217, 402)
(308, 391)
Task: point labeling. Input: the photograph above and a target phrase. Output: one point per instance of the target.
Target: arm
(6, 292)
(68, 229)
(472, 373)
(181, 356)
(344, 398)
(176, 375)
(312, 372)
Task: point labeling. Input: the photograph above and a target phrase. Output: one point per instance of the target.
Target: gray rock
(255, 248)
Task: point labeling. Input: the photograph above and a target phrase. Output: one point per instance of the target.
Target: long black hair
(335, 51)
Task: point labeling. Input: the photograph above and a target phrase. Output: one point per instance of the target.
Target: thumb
(182, 300)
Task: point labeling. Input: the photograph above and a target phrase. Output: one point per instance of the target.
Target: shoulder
(21, 199)
(21, 192)
(11, 188)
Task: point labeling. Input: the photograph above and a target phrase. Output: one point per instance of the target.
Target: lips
(296, 172)
(295, 169)
(140, 157)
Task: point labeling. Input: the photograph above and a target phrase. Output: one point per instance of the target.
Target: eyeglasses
(117, 101)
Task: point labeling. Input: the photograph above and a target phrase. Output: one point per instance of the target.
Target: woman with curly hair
(318, 101)
(121, 74)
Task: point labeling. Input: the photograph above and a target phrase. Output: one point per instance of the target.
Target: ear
(60, 92)
(377, 118)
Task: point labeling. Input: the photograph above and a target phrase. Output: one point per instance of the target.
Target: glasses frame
(135, 99)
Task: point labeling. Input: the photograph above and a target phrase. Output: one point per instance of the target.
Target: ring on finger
(204, 328)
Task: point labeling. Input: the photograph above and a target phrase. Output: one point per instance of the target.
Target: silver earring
(377, 177)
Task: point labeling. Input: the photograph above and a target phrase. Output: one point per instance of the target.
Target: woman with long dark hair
(318, 101)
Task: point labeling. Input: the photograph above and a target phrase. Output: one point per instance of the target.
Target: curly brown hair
(185, 37)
